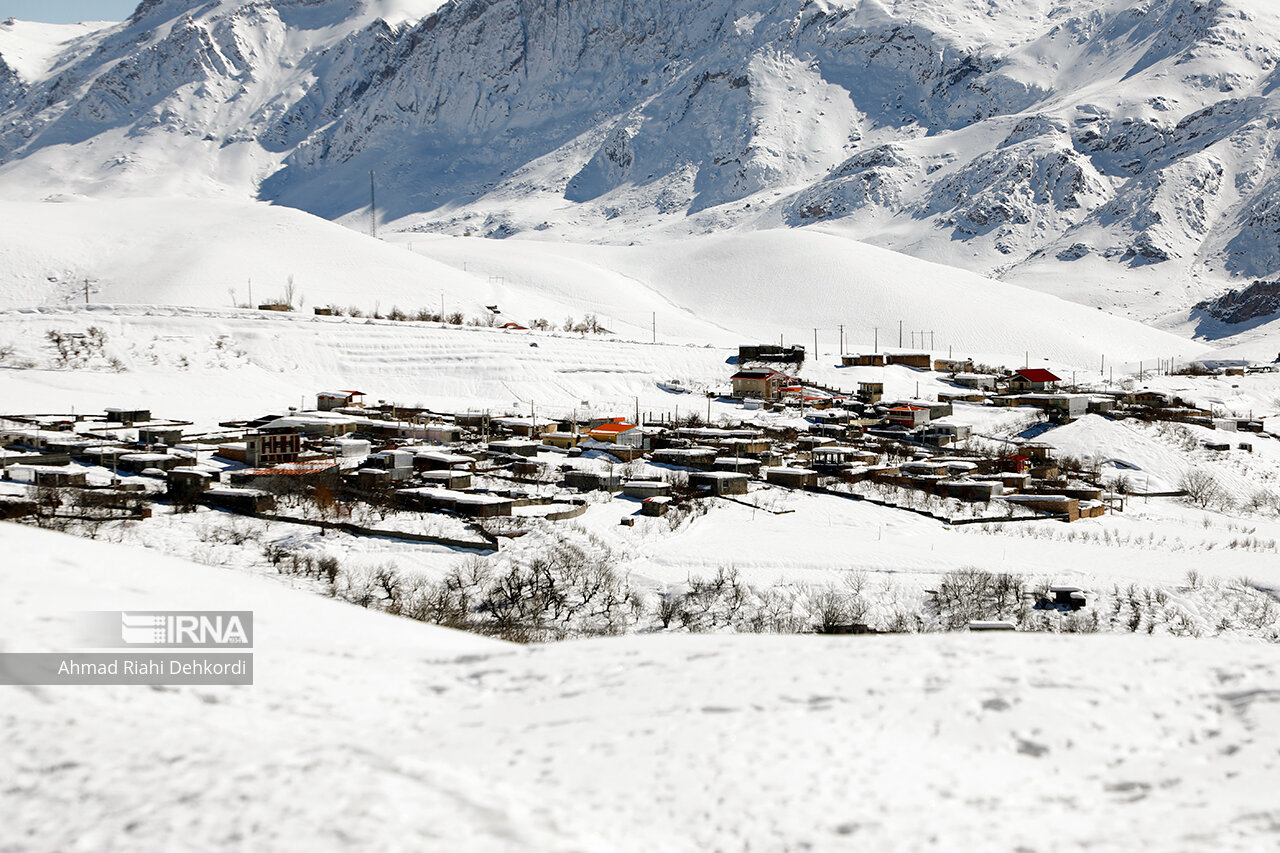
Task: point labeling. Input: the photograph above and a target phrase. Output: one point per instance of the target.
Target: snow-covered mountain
(1119, 152)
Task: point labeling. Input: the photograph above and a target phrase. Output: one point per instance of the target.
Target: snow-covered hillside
(1115, 152)
(722, 289)
(362, 730)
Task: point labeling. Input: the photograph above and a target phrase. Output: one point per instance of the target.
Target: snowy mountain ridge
(1118, 152)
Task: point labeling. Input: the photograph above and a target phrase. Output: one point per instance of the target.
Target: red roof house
(1033, 379)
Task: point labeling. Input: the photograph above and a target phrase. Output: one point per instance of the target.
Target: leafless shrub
(1201, 486)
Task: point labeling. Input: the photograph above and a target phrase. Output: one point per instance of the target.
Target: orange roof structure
(612, 429)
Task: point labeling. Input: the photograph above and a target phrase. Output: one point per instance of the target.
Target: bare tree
(1201, 486)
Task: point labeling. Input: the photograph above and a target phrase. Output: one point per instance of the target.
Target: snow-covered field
(363, 730)
(723, 290)
(1052, 173)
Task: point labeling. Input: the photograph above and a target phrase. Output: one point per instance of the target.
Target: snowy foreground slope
(364, 731)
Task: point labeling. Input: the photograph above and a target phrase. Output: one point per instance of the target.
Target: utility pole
(931, 340)
(251, 292)
(899, 334)
(876, 346)
(654, 321)
(86, 291)
(708, 408)
(373, 209)
(1102, 371)
(913, 340)
(815, 343)
(842, 338)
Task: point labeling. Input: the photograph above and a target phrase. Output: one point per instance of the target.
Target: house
(188, 483)
(1038, 451)
(312, 424)
(974, 396)
(12, 506)
(1055, 504)
(656, 506)
(953, 365)
(563, 440)
(980, 381)
(1061, 407)
(399, 463)
(758, 382)
(1065, 598)
(646, 489)
(591, 481)
(625, 435)
(1151, 399)
(57, 477)
(246, 501)
(294, 471)
(519, 425)
(136, 463)
(970, 490)
(917, 360)
(832, 455)
(448, 478)
(870, 392)
(703, 458)
(473, 504)
(863, 359)
(719, 482)
(769, 352)
(104, 455)
(329, 400)
(1014, 463)
(373, 479)
(908, 417)
(958, 432)
(514, 447)
(1033, 379)
(793, 478)
(440, 460)
(738, 464)
(160, 435)
(128, 417)
(264, 449)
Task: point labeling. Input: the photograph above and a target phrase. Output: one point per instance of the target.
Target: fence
(489, 544)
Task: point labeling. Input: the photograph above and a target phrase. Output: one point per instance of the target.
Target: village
(353, 463)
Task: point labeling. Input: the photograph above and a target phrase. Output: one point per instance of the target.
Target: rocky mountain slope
(1118, 152)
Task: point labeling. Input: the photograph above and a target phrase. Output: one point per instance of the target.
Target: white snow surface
(365, 731)
(1116, 152)
(725, 289)
(30, 48)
